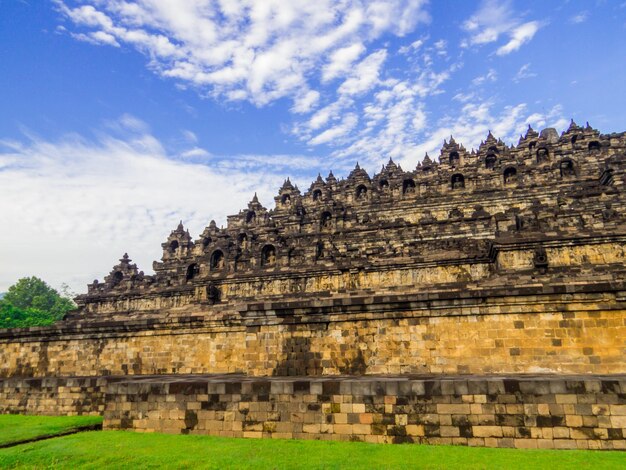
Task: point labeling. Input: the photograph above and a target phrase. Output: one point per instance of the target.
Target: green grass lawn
(15, 428)
(118, 449)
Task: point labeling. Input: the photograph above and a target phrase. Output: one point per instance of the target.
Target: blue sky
(119, 118)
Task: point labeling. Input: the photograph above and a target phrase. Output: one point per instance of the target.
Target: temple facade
(546, 211)
(489, 266)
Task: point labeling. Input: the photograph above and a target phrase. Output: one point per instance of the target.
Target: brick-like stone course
(53, 396)
(575, 412)
(575, 332)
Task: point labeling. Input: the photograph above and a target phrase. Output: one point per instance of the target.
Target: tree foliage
(32, 302)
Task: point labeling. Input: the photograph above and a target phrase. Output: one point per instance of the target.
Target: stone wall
(525, 412)
(53, 396)
(533, 331)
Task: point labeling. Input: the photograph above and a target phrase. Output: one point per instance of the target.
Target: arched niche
(457, 181)
(250, 217)
(320, 251)
(383, 184)
(490, 161)
(542, 155)
(326, 221)
(594, 146)
(317, 195)
(408, 186)
(509, 175)
(192, 271)
(242, 240)
(268, 255)
(566, 167)
(173, 246)
(493, 149)
(454, 158)
(217, 260)
(285, 199)
(361, 192)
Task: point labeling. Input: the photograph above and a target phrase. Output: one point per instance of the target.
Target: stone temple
(478, 299)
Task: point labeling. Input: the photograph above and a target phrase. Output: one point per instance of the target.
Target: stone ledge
(523, 411)
(354, 307)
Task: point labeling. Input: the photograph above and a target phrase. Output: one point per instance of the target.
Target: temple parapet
(550, 206)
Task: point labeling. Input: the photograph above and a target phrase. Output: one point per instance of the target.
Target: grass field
(118, 449)
(15, 428)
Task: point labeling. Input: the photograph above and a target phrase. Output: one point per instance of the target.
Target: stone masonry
(490, 264)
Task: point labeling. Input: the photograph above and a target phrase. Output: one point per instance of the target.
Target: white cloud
(364, 75)
(72, 207)
(579, 18)
(97, 38)
(491, 20)
(341, 61)
(189, 136)
(471, 124)
(464, 97)
(523, 73)
(348, 122)
(386, 119)
(259, 51)
(195, 152)
(326, 56)
(519, 36)
(306, 101)
(440, 47)
(494, 19)
(490, 76)
(414, 46)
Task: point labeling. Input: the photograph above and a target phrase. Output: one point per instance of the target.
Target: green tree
(32, 302)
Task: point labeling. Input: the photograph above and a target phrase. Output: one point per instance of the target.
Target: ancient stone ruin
(478, 299)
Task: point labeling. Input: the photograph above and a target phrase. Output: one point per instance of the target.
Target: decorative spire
(286, 185)
(180, 227)
(426, 159)
(390, 167)
(358, 172)
(530, 132)
(125, 259)
(255, 199)
(572, 126)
